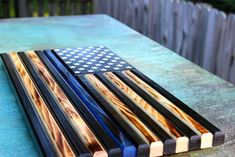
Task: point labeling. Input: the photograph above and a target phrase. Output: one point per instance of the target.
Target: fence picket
(196, 31)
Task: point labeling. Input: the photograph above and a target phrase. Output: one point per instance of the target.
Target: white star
(128, 67)
(90, 71)
(103, 69)
(116, 68)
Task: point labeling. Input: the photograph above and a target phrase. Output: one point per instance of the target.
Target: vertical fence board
(232, 69)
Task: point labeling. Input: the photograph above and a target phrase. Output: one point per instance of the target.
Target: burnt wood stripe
(63, 122)
(35, 121)
(73, 124)
(142, 103)
(206, 136)
(61, 144)
(195, 141)
(169, 143)
(110, 97)
(104, 119)
(127, 115)
(108, 143)
(218, 135)
(143, 145)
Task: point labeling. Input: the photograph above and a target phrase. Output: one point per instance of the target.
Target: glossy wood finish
(156, 146)
(206, 136)
(76, 120)
(182, 142)
(58, 139)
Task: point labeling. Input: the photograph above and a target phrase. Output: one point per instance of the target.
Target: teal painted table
(209, 95)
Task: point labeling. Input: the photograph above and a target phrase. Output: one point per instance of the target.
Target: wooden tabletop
(209, 95)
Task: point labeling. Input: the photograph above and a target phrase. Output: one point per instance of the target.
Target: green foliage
(226, 5)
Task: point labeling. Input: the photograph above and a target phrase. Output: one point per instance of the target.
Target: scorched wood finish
(57, 137)
(90, 102)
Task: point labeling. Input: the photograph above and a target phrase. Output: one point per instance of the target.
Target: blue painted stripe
(113, 130)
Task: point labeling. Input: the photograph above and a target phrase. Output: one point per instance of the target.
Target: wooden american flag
(90, 102)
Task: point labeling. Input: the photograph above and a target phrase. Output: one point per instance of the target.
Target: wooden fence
(197, 32)
(28, 8)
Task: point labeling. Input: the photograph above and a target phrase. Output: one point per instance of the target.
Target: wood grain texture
(58, 139)
(197, 32)
(156, 146)
(76, 120)
(206, 136)
(142, 103)
(102, 117)
(181, 140)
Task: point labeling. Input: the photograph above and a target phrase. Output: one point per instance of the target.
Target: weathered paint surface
(211, 96)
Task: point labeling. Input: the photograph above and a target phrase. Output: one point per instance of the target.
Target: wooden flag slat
(169, 143)
(195, 141)
(109, 144)
(206, 136)
(142, 144)
(102, 117)
(27, 103)
(57, 137)
(75, 127)
(182, 142)
(218, 135)
(126, 115)
(90, 102)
